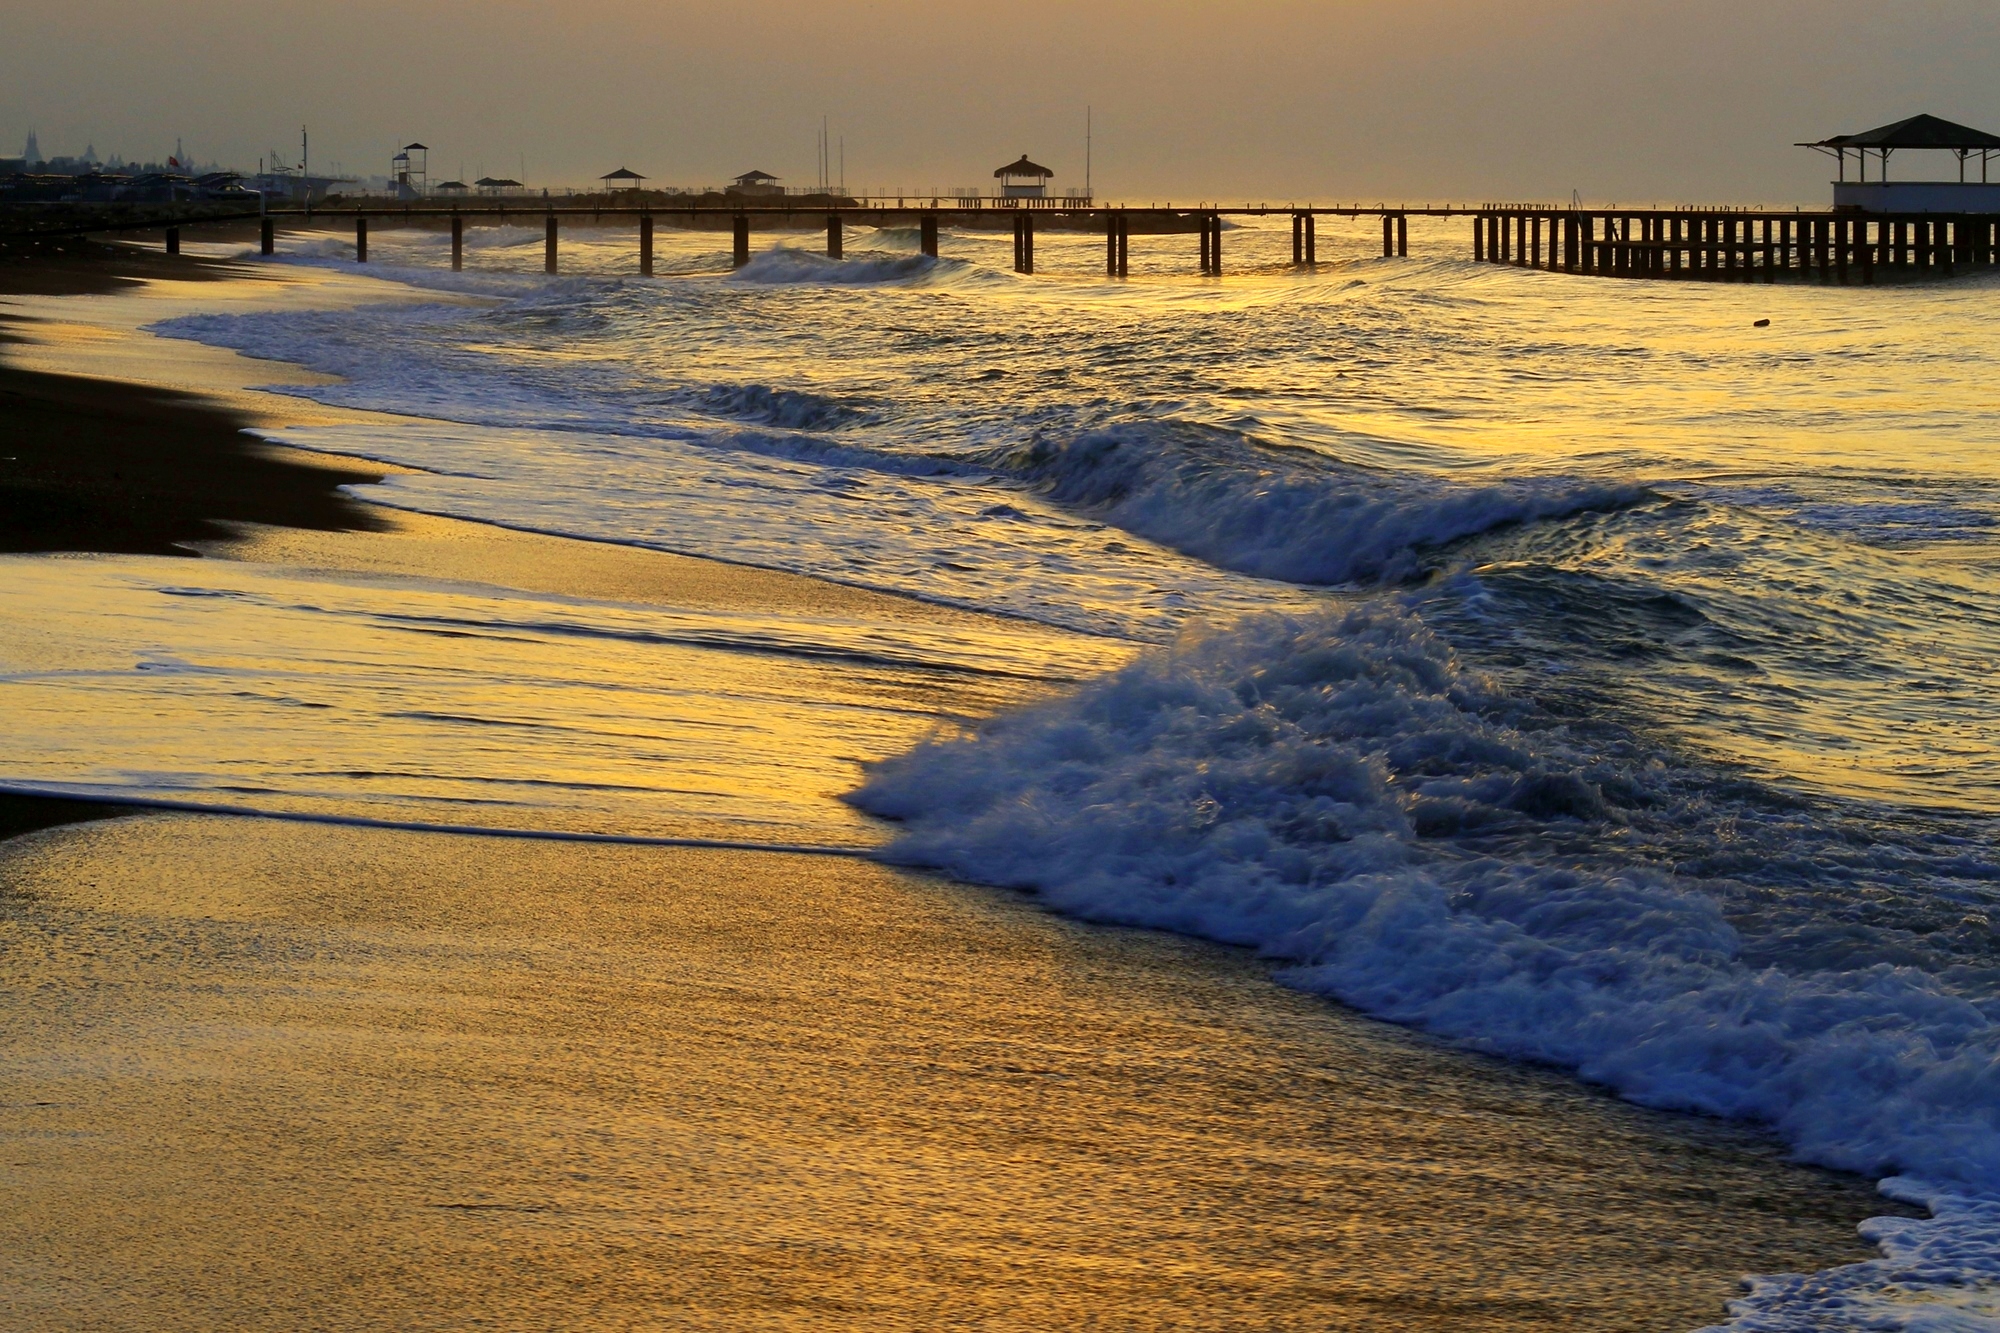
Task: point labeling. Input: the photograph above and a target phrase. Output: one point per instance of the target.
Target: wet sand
(268, 1075)
(263, 1075)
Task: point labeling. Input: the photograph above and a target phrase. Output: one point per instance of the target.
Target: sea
(1594, 673)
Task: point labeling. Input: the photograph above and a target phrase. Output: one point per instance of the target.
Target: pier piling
(267, 237)
(927, 234)
(1388, 236)
(457, 243)
(1312, 243)
(1402, 235)
(833, 236)
(739, 254)
(361, 240)
(1024, 242)
(645, 245)
(173, 240)
(549, 245)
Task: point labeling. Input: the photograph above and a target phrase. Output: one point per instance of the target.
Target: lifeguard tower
(410, 171)
(1925, 133)
(1023, 180)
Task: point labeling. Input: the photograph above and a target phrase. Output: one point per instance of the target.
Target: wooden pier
(1734, 246)
(1720, 245)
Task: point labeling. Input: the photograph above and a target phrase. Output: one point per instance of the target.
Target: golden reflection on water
(362, 1079)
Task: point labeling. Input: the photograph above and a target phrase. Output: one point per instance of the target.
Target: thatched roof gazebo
(1022, 179)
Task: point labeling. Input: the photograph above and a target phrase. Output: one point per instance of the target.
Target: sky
(1672, 101)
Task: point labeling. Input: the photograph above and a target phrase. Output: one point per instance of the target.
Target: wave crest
(1287, 513)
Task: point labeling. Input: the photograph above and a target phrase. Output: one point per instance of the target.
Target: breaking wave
(1287, 513)
(786, 265)
(1340, 793)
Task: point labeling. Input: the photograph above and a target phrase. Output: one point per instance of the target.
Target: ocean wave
(1339, 792)
(1287, 513)
(785, 265)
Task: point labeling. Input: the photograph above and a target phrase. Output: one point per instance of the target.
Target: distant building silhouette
(756, 183)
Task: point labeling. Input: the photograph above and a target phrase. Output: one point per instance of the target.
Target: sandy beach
(264, 1074)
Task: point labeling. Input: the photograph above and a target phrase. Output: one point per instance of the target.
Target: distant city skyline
(1434, 99)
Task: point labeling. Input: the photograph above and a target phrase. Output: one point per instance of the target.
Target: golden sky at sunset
(1690, 100)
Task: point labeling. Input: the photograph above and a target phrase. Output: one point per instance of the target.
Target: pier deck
(1702, 244)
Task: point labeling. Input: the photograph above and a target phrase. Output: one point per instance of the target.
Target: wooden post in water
(1024, 242)
(833, 238)
(361, 240)
(1402, 236)
(173, 240)
(1298, 240)
(1388, 236)
(1215, 243)
(1125, 243)
(267, 237)
(927, 227)
(1312, 241)
(1111, 243)
(549, 242)
(739, 250)
(645, 245)
(1478, 238)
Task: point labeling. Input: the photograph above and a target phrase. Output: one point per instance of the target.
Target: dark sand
(269, 1075)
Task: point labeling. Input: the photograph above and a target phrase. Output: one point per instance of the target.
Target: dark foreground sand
(265, 1075)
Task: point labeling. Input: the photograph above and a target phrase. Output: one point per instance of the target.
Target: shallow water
(1630, 710)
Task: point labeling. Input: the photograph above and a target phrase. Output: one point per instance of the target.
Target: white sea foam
(1339, 792)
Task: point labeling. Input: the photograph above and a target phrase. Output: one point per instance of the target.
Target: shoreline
(1355, 1139)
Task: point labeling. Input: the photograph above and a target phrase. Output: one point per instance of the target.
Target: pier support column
(927, 227)
(1402, 236)
(833, 250)
(739, 253)
(457, 243)
(1388, 236)
(267, 237)
(1298, 240)
(1478, 238)
(1024, 241)
(645, 245)
(549, 244)
(1111, 243)
(361, 240)
(1312, 242)
(173, 240)
(1124, 244)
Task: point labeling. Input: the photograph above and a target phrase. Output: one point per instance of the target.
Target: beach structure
(497, 185)
(1022, 179)
(755, 185)
(452, 189)
(410, 171)
(1929, 134)
(622, 179)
